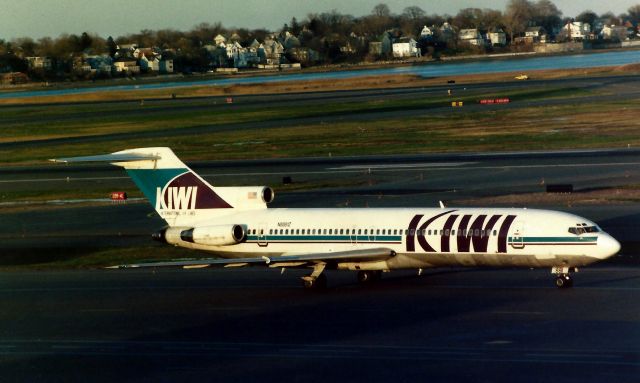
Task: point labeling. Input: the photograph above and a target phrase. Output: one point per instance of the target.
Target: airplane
(235, 224)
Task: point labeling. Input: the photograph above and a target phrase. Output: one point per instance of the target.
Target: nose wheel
(563, 279)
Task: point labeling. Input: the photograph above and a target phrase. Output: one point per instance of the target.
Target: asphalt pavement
(255, 325)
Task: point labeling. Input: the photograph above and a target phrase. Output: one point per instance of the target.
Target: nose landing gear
(563, 279)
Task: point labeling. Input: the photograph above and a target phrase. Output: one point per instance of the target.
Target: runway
(258, 325)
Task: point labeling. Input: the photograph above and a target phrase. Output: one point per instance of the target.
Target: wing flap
(362, 255)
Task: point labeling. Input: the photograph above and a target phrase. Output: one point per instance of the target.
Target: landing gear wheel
(318, 283)
(564, 281)
(368, 276)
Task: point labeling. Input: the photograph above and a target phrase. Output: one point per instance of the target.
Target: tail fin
(175, 190)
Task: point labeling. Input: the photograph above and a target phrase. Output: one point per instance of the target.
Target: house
(497, 37)
(426, 33)
(382, 47)
(447, 33)
(304, 55)
(290, 41)
(166, 66)
(38, 62)
(470, 36)
(237, 54)
(272, 51)
(535, 34)
(614, 32)
(576, 30)
(149, 64)
(126, 51)
(219, 39)
(126, 66)
(101, 64)
(405, 47)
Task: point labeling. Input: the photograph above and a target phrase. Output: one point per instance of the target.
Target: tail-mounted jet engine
(219, 235)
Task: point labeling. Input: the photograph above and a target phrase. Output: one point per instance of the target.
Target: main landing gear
(316, 280)
(563, 279)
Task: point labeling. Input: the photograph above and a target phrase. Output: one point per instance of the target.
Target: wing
(364, 255)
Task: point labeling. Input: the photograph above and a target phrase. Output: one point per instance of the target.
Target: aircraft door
(517, 239)
(262, 235)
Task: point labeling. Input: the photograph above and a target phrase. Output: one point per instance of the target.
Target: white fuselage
(420, 237)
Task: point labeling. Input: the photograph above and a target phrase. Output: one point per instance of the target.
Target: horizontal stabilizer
(115, 157)
(363, 255)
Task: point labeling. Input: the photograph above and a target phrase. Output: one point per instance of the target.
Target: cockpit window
(583, 229)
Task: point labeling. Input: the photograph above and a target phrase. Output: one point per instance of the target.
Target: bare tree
(381, 10)
(413, 13)
(517, 16)
(547, 15)
(634, 13)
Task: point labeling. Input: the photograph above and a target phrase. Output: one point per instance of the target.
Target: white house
(405, 47)
(426, 32)
(536, 34)
(220, 40)
(470, 36)
(497, 37)
(151, 64)
(577, 30)
(129, 66)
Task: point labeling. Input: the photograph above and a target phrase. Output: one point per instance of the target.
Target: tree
(413, 13)
(381, 10)
(547, 15)
(85, 42)
(587, 17)
(112, 47)
(468, 18)
(517, 16)
(634, 14)
(26, 45)
(294, 26)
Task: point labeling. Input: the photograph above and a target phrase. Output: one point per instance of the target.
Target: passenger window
(359, 231)
(341, 231)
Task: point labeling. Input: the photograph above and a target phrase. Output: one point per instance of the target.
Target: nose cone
(607, 246)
